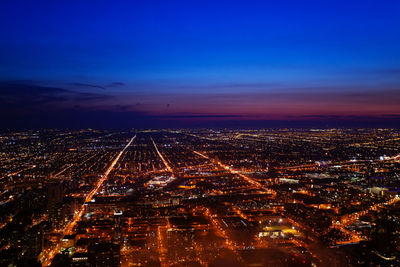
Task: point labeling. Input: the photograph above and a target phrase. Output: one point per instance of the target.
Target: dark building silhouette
(104, 254)
(61, 260)
(383, 238)
(54, 194)
(34, 241)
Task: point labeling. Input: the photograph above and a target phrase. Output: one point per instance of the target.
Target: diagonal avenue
(47, 255)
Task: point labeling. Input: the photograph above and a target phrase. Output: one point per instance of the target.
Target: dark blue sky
(206, 60)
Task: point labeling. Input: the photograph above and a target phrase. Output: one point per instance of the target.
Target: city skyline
(200, 197)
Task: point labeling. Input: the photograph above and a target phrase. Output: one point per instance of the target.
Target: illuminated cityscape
(199, 133)
(284, 197)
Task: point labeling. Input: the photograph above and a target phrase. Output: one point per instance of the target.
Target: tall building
(57, 215)
(17, 238)
(54, 194)
(34, 241)
(117, 237)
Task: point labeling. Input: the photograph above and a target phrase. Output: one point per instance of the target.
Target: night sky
(199, 63)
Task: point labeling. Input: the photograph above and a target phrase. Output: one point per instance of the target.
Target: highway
(162, 157)
(245, 177)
